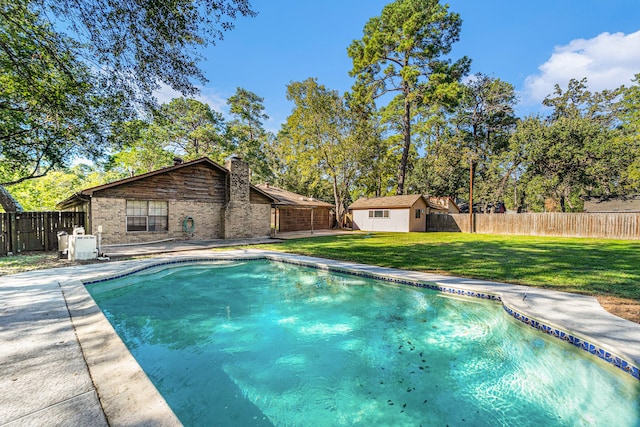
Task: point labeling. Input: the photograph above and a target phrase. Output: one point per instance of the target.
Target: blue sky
(530, 44)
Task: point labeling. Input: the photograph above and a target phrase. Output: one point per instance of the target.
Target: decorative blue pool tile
(578, 342)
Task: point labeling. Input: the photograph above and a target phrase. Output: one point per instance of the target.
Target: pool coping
(115, 391)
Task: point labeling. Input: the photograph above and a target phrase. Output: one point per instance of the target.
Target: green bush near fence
(587, 266)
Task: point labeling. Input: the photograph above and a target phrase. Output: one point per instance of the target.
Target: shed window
(418, 212)
(379, 214)
(147, 215)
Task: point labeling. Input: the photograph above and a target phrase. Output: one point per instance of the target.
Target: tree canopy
(319, 138)
(247, 134)
(51, 107)
(405, 50)
(83, 96)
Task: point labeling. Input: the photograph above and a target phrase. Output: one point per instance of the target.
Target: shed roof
(389, 202)
(288, 198)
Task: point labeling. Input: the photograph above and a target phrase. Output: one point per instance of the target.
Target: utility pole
(471, 195)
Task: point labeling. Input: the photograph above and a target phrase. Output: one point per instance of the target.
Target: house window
(143, 215)
(379, 214)
(418, 212)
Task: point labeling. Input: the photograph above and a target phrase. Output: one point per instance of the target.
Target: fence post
(4, 230)
(46, 225)
(13, 233)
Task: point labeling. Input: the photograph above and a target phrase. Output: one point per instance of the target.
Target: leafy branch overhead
(61, 93)
(51, 107)
(145, 43)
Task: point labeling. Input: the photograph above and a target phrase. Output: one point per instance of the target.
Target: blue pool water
(262, 343)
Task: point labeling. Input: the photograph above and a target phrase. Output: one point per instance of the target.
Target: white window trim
(385, 214)
(146, 217)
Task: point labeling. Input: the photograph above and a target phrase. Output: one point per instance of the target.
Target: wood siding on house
(197, 183)
(292, 211)
(259, 199)
(299, 219)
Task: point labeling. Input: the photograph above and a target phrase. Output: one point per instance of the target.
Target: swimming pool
(267, 343)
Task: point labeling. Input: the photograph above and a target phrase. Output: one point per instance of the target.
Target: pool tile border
(581, 343)
(571, 338)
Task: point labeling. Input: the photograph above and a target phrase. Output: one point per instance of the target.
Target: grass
(587, 266)
(597, 267)
(27, 262)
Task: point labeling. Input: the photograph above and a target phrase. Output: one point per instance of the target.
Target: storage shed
(392, 213)
(198, 200)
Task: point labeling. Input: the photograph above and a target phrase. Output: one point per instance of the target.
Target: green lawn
(19, 263)
(588, 266)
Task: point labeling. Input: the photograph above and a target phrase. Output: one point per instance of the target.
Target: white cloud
(207, 96)
(607, 61)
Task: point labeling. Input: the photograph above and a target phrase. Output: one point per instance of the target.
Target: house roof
(442, 203)
(390, 202)
(84, 195)
(288, 198)
(613, 203)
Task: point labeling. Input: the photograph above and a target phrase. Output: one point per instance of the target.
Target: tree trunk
(8, 203)
(406, 135)
(338, 203)
(497, 195)
(471, 230)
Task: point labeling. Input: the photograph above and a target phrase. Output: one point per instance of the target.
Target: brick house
(294, 212)
(198, 200)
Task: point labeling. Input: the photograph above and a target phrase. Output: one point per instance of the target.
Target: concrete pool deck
(61, 362)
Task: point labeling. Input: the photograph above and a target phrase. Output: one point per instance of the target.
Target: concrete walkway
(168, 246)
(61, 363)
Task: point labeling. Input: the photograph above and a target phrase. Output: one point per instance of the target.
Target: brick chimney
(238, 209)
(238, 179)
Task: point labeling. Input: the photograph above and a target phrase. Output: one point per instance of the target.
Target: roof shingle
(288, 198)
(386, 202)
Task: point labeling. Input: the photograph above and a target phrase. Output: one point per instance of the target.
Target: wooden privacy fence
(616, 225)
(35, 231)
